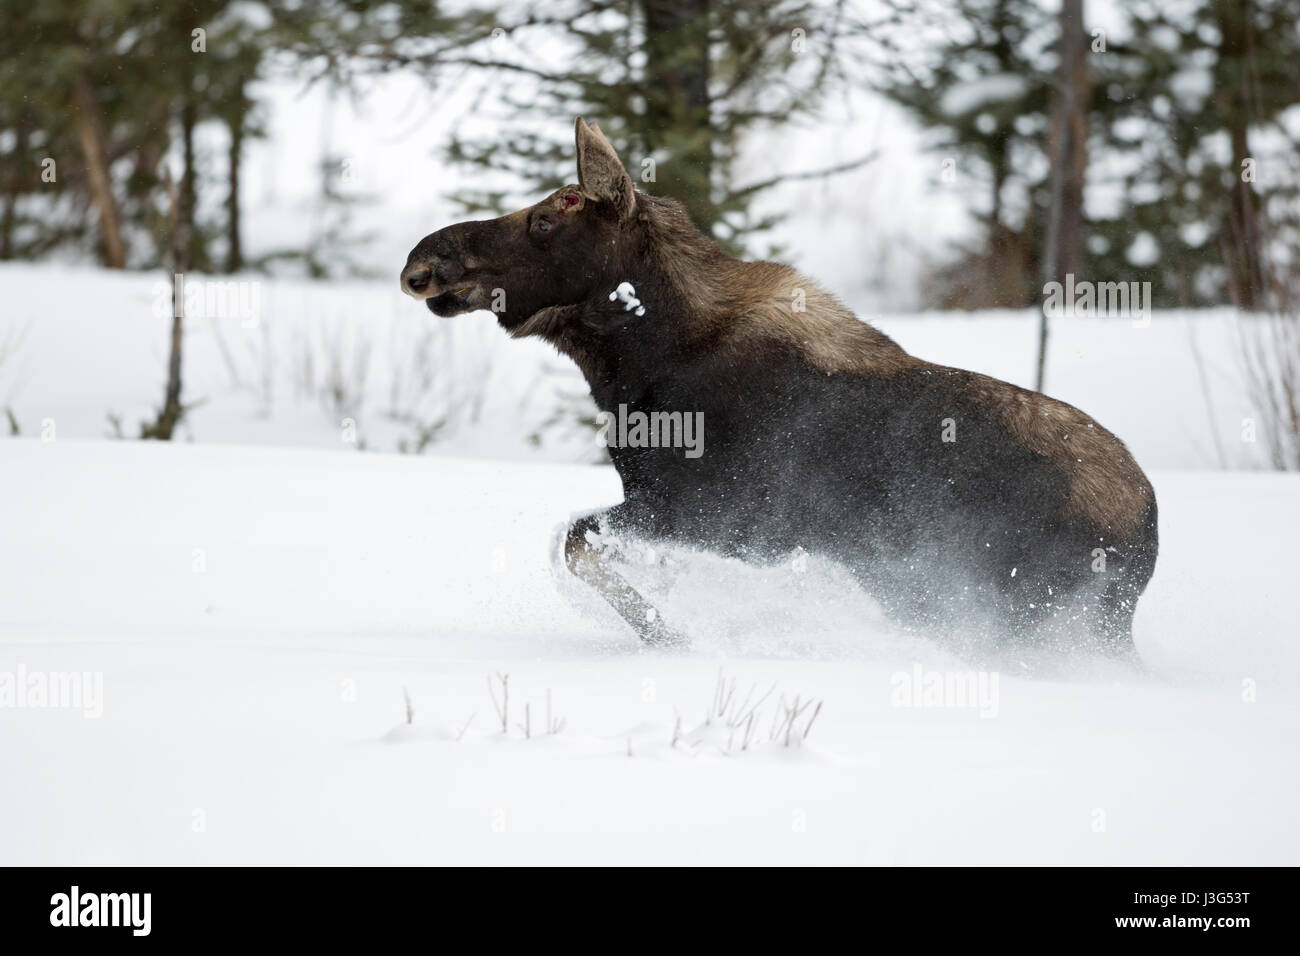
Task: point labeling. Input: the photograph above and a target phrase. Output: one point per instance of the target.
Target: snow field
(255, 692)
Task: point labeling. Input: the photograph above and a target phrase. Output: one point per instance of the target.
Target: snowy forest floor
(261, 616)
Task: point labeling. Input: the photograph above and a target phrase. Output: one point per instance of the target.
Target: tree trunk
(676, 92)
(234, 243)
(180, 225)
(13, 188)
(189, 188)
(148, 159)
(90, 130)
(997, 237)
(172, 410)
(1068, 150)
(1240, 234)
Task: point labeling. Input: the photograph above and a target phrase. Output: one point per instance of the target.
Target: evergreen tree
(676, 85)
(982, 85)
(1208, 170)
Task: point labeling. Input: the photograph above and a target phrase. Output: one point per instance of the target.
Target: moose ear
(600, 172)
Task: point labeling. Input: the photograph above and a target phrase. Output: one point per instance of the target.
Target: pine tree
(983, 89)
(677, 85)
(1208, 169)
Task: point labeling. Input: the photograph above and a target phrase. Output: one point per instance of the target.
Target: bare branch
(810, 174)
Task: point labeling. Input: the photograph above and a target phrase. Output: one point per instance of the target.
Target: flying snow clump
(627, 294)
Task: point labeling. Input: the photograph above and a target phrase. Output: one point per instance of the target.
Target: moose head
(558, 252)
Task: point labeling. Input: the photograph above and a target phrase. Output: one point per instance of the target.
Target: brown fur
(750, 302)
(1106, 484)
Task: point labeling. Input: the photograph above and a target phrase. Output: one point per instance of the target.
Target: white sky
(851, 231)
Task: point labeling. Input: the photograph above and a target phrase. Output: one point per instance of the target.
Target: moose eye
(570, 199)
(542, 225)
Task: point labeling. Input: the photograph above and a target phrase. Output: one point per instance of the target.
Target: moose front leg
(589, 563)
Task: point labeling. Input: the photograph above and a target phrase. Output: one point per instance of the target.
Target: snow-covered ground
(245, 612)
(254, 615)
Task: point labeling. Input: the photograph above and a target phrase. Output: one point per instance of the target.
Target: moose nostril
(417, 280)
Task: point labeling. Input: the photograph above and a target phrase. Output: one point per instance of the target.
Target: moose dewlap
(958, 501)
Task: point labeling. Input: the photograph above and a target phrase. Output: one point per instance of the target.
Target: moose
(953, 498)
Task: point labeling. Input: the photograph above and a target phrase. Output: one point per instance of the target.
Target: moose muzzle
(435, 265)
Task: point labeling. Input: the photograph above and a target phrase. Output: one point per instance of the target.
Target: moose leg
(591, 565)
(1112, 622)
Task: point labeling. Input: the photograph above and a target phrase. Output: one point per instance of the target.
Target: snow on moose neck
(627, 294)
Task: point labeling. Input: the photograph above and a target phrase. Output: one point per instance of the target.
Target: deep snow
(256, 614)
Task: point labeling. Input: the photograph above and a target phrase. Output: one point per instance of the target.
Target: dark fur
(820, 432)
